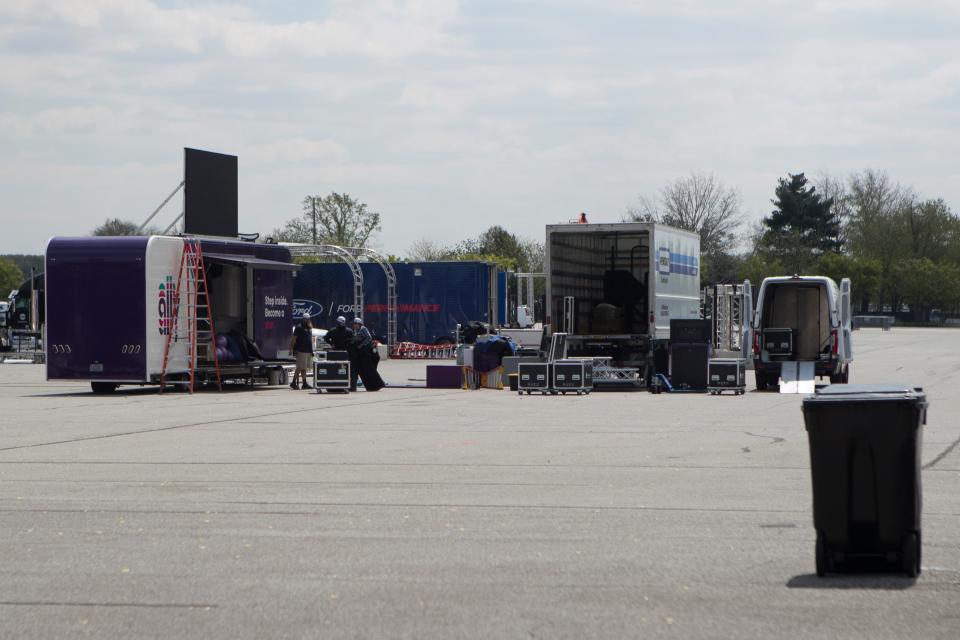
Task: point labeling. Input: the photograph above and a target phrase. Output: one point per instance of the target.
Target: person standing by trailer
(301, 345)
(340, 336)
(361, 359)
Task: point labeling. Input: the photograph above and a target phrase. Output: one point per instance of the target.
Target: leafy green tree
(721, 268)
(930, 228)
(803, 224)
(864, 274)
(757, 266)
(336, 219)
(25, 261)
(502, 247)
(924, 285)
(10, 277)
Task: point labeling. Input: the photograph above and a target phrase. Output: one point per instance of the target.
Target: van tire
(763, 380)
(760, 381)
(843, 377)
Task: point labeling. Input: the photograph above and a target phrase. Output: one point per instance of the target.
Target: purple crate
(444, 376)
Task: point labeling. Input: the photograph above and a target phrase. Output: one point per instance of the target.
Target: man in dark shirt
(301, 345)
(340, 336)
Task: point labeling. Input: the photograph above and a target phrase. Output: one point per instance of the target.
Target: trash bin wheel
(910, 555)
(822, 556)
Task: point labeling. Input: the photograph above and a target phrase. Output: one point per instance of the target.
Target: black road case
(331, 375)
(574, 376)
(726, 374)
(688, 330)
(865, 465)
(688, 366)
(778, 342)
(533, 376)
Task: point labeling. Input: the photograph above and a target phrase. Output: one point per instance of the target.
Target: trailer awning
(250, 261)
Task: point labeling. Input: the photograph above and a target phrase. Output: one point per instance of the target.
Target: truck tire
(103, 387)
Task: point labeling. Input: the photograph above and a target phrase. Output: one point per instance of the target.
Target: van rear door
(845, 320)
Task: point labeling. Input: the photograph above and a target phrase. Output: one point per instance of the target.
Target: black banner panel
(209, 193)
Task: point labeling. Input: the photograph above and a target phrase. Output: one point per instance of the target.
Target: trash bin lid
(867, 392)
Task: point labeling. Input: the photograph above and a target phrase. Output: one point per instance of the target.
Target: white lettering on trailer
(348, 308)
(280, 302)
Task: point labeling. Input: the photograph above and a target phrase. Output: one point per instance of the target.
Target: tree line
(900, 249)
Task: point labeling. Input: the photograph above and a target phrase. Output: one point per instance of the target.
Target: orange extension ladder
(199, 334)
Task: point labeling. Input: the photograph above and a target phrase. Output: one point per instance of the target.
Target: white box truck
(613, 288)
(802, 323)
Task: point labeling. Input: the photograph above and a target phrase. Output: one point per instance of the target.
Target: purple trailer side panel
(96, 309)
(273, 308)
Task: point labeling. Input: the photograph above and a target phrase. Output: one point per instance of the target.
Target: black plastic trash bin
(865, 466)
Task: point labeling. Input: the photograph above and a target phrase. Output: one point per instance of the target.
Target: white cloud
(447, 121)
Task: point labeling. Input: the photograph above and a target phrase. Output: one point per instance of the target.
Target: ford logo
(301, 307)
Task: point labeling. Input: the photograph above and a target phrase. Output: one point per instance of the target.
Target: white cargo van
(802, 319)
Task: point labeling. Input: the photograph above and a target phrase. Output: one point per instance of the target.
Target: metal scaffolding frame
(391, 288)
(728, 307)
(308, 250)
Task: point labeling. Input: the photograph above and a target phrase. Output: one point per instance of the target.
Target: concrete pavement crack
(943, 454)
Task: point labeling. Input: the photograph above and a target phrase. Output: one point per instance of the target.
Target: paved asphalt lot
(446, 514)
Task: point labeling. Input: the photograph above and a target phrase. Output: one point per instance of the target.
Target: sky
(448, 116)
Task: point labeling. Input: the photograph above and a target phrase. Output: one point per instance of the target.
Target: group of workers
(356, 341)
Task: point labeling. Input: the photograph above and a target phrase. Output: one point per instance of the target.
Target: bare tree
(700, 203)
(426, 250)
(118, 227)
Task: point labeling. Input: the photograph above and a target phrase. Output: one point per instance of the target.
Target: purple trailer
(109, 301)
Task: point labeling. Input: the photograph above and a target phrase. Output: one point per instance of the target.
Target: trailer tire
(103, 387)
